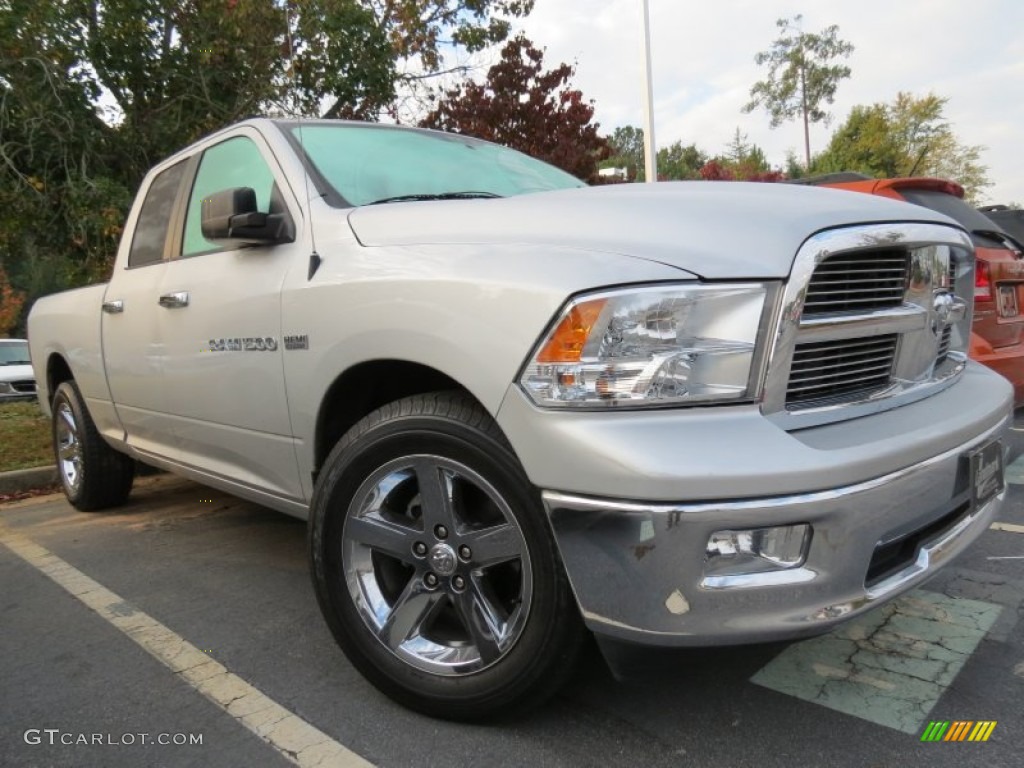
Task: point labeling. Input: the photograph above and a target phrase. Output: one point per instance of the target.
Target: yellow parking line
(289, 734)
(1008, 527)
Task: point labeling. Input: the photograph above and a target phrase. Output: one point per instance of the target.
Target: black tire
(507, 639)
(94, 476)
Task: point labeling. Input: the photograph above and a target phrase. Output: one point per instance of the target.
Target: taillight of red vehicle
(982, 282)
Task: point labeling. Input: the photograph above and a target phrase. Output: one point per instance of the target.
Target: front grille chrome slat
(836, 370)
(842, 284)
(826, 371)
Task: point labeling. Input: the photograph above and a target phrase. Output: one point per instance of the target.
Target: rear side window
(968, 218)
(155, 217)
(1011, 221)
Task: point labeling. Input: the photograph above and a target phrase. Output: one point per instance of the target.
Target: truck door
(133, 352)
(220, 320)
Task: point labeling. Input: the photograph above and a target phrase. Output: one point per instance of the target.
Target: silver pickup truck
(514, 408)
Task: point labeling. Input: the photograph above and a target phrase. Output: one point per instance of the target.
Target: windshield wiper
(434, 196)
(16, 362)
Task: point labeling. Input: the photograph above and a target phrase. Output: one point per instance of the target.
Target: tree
(523, 107)
(11, 302)
(908, 137)
(742, 161)
(627, 151)
(801, 76)
(677, 162)
(94, 92)
(417, 29)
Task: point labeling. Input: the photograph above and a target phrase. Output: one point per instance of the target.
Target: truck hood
(713, 230)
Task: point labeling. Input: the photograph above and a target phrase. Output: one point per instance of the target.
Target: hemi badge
(296, 342)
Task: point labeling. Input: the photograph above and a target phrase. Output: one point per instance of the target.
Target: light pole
(650, 158)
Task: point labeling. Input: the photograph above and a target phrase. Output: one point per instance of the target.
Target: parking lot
(182, 630)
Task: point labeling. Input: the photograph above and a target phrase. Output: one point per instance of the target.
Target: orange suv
(997, 337)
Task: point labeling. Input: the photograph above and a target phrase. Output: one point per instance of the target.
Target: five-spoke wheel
(434, 566)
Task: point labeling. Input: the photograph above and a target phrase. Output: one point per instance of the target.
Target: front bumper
(637, 562)
(638, 569)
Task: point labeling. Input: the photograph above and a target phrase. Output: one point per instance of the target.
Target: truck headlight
(688, 343)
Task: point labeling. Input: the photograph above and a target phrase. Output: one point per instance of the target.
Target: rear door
(133, 351)
(220, 320)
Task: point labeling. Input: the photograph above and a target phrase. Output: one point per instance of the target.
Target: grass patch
(24, 436)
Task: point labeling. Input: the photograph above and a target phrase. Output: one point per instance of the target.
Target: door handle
(114, 307)
(174, 300)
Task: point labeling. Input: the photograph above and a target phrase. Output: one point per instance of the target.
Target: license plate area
(986, 472)
(1008, 301)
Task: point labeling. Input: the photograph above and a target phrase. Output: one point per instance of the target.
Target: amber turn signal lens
(565, 345)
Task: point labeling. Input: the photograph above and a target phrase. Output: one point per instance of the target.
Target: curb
(21, 480)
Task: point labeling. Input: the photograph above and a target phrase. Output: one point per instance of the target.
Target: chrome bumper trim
(637, 568)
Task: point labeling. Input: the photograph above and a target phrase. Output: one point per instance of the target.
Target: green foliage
(802, 77)
(677, 162)
(11, 302)
(417, 29)
(523, 107)
(794, 169)
(908, 137)
(627, 151)
(742, 161)
(95, 92)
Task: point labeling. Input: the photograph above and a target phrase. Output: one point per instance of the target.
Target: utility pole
(650, 157)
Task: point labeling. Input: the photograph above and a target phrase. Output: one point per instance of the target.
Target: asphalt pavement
(182, 630)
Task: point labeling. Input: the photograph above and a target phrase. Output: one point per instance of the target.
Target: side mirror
(229, 217)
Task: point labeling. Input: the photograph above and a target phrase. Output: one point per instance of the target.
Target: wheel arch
(57, 372)
(367, 386)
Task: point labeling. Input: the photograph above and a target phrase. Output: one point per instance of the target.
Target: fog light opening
(756, 550)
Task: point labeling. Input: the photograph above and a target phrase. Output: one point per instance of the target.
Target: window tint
(233, 163)
(154, 218)
(952, 206)
(368, 163)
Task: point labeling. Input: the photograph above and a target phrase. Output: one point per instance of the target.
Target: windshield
(14, 353)
(364, 164)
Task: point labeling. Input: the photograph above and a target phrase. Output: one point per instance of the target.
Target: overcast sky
(703, 56)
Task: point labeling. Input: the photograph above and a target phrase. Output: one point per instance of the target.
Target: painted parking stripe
(1008, 527)
(888, 666)
(297, 740)
(1015, 471)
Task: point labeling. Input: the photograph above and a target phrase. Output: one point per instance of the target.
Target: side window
(234, 163)
(155, 217)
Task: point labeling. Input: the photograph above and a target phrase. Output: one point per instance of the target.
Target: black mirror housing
(229, 217)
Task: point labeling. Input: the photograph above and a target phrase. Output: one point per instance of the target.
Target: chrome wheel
(69, 450)
(437, 565)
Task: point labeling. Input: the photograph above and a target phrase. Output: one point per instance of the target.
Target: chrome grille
(894, 333)
(825, 371)
(858, 282)
(944, 343)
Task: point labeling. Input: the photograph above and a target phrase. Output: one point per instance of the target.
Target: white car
(17, 381)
